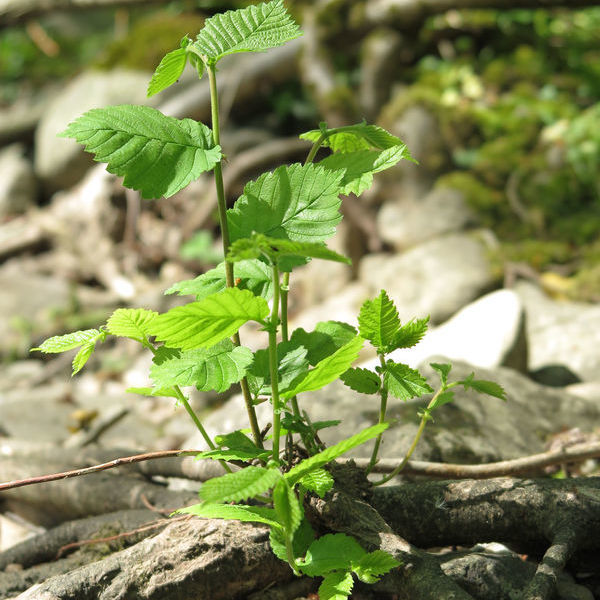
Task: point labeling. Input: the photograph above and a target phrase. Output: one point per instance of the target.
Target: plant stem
(290, 554)
(424, 419)
(273, 365)
(222, 205)
(382, 410)
(315, 149)
(285, 288)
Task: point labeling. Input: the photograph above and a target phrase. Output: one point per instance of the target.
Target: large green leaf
(378, 322)
(296, 202)
(215, 368)
(246, 483)
(403, 382)
(331, 552)
(317, 461)
(169, 70)
(327, 337)
(325, 371)
(253, 514)
(336, 585)
(359, 167)
(131, 322)
(252, 29)
(156, 154)
(351, 138)
(205, 323)
(252, 275)
(318, 481)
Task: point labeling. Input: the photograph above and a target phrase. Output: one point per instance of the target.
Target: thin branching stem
(273, 363)
(383, 394)
(222, 206)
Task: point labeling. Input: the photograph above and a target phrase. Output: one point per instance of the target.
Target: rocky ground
(92, 247)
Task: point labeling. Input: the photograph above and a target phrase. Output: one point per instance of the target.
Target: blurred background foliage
(515, 94)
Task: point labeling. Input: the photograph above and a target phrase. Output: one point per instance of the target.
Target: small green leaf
(62, 343)
(82, 356)
(484, 387)
(168, 71)
(234, 455)
(327, 337)
(303, 537)
(215, 368)
(336, 585)
(233, 487)
(236, 440)
(258, 245)
(296, 202)
(317, 461)
(318, 481)
(440, 400)
(378, 322)
(156, 154)
(403, 382)
(354, 137)
(298, 425)
(286, 504)
(131, 322)
(252, 29)
(205, 323)
(444, 370)
(359, 167)
(411, 333)
(252, 275)
(153, 391)
(373, 565)
(325, 371)
(362, 381)
(238, 512)
(331, 552)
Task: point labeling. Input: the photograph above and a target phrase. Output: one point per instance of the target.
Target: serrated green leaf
(440, 400)
(318, 481)
(156, 154)
(252, 275)
(234, 455)
(331, 552)
(378, 322)
(319, 460)
(215, 368)
(205, 323)
(303, 537)
(238, 512)
(286, 504)
(359, 167)
(69, 341)
(252, 29)
(292, 362)
(258, 245)
(373, 565)
(295, 202)
(233, 487)
(362, 381)
(131, 322)
(411, 333)
(336, 586)
(443, 370)
(490, 388)
(236, 440)
(403, 382)
(152, 391)
(325, 371)
(82, 356)
(354, 137)
(168, 71)
(327, 337)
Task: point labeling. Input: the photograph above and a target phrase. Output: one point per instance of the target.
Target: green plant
(281, 221)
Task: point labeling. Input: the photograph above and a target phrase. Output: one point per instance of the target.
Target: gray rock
(18, 184)
(561, 333)
(436, 278)
(488, 333)
(473, 429)
(405, 222)
(61, 162)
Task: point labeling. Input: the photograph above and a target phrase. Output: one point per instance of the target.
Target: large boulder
(561, 333)
(61, 162)
(435, 278)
